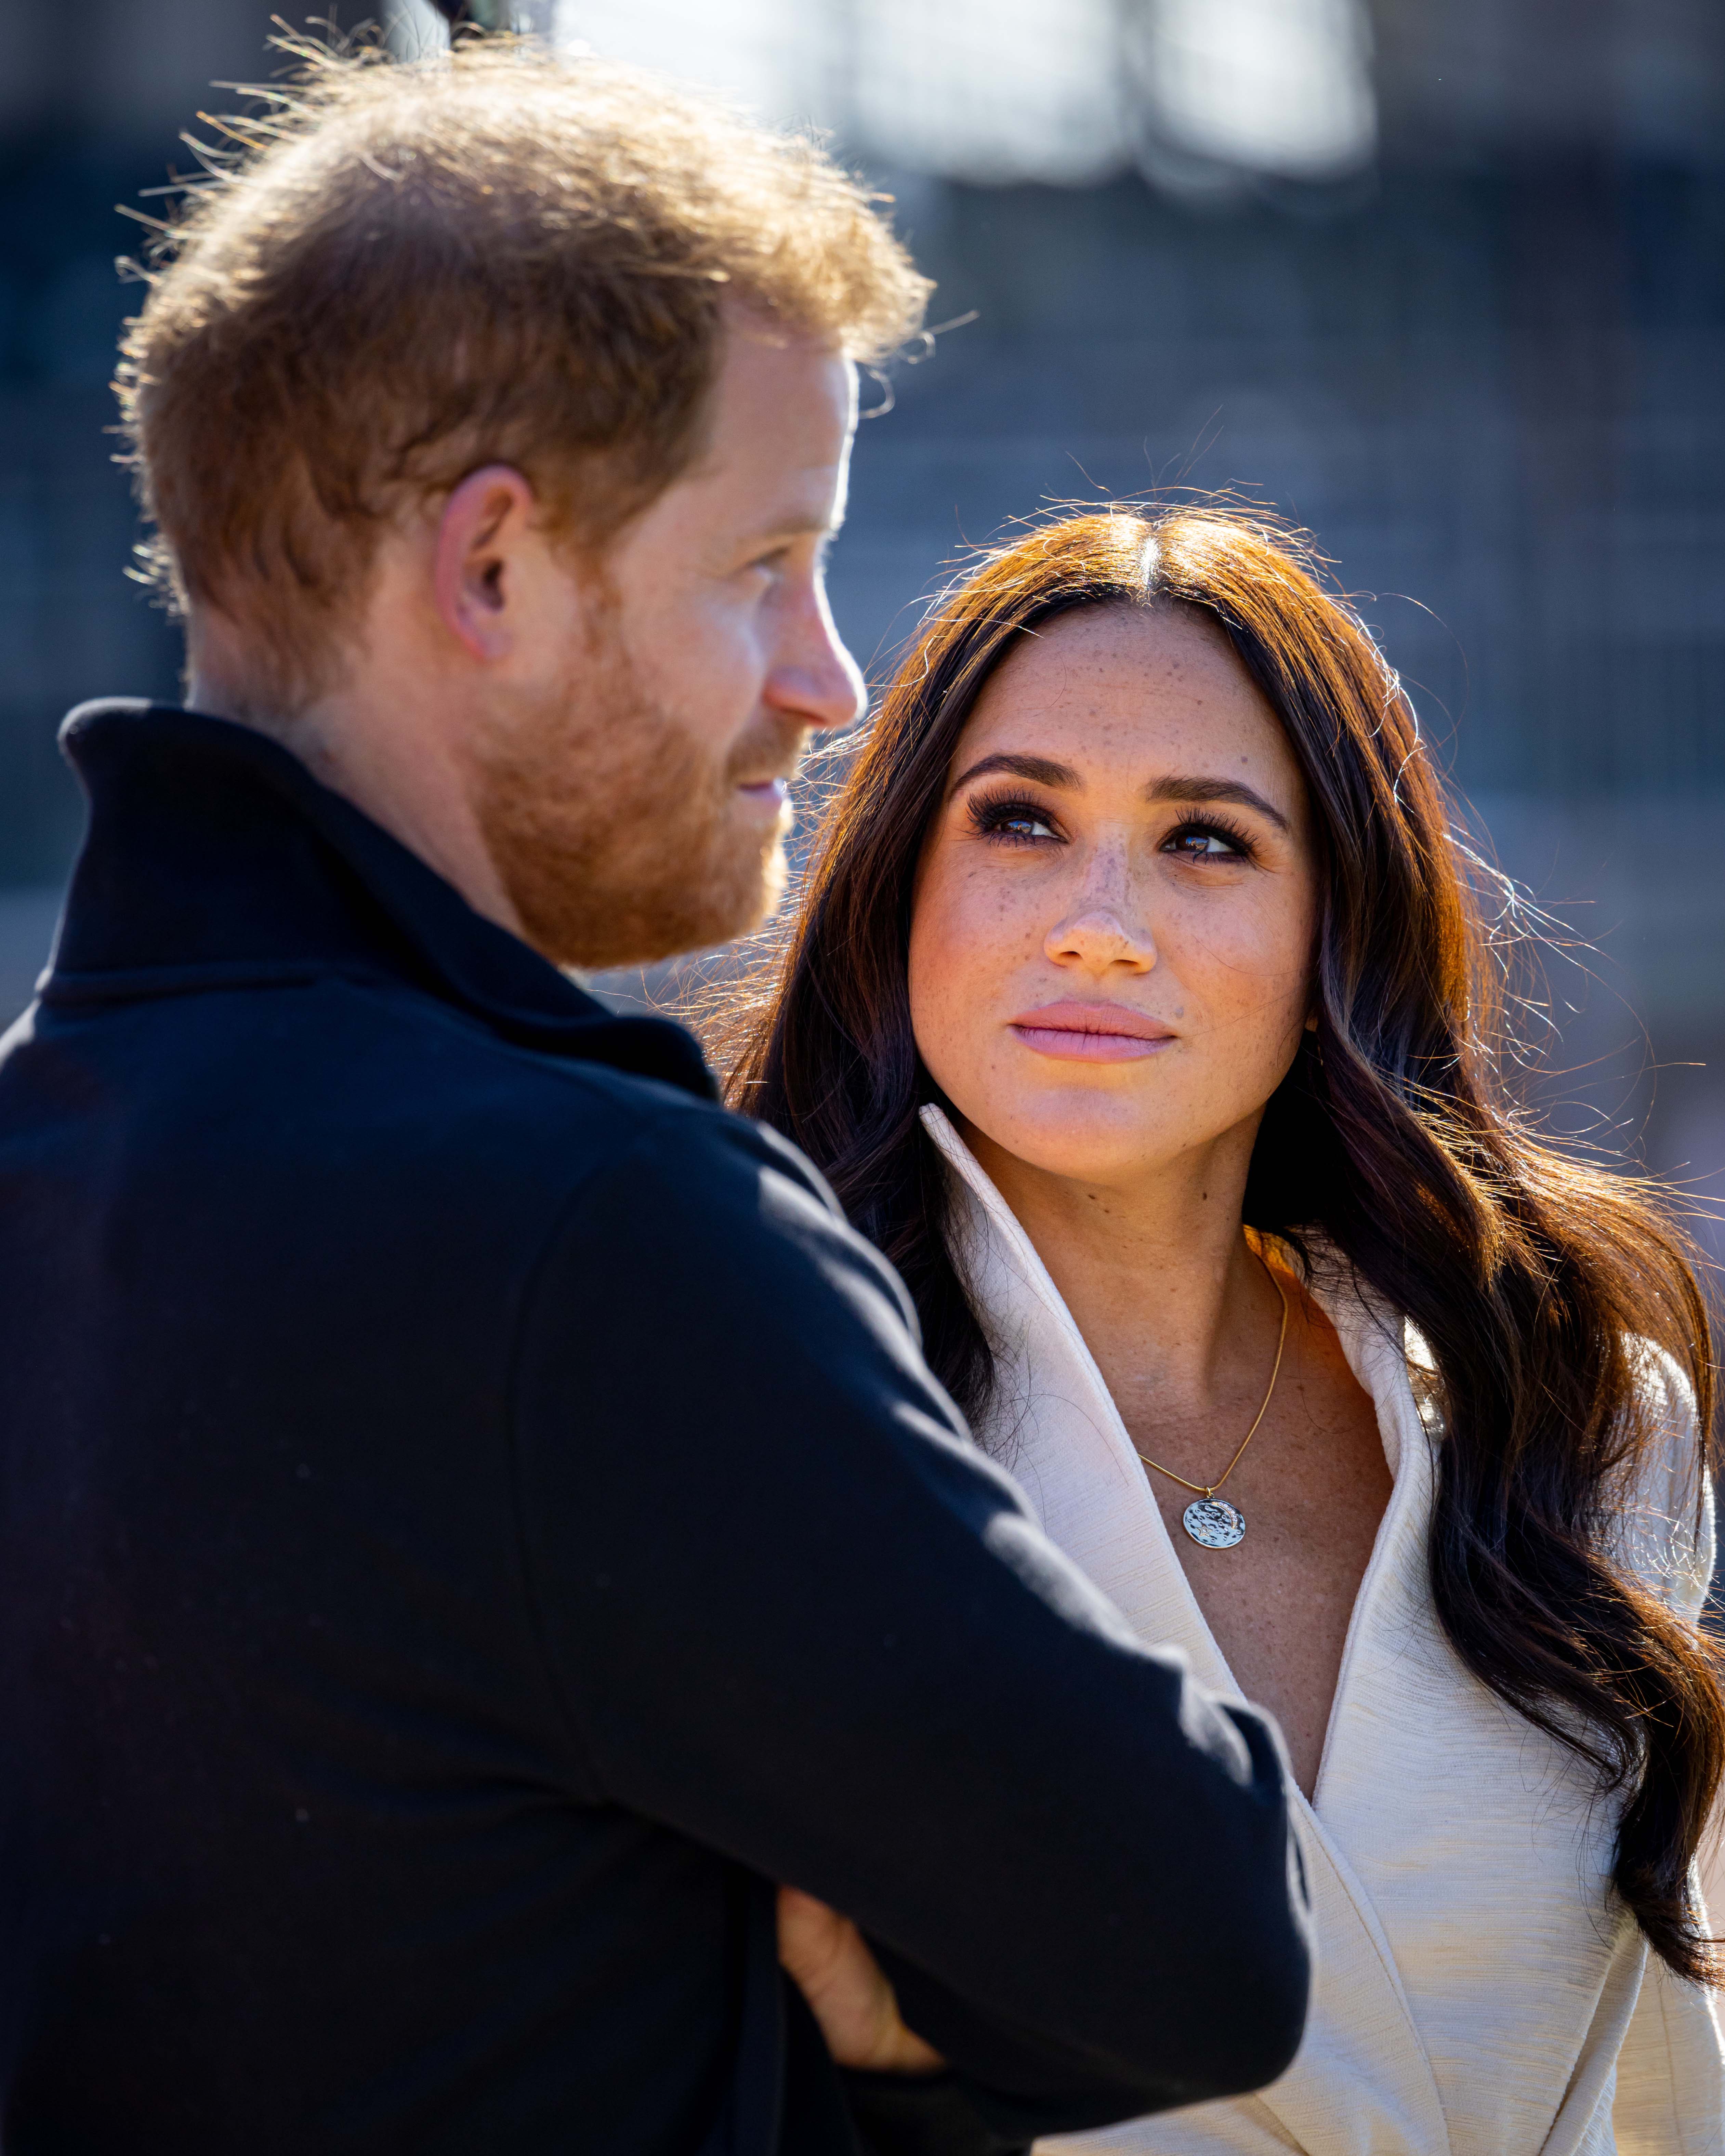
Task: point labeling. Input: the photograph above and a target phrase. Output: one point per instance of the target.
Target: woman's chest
(1279, 1605)
(1312, 1490)
(1467, 1943)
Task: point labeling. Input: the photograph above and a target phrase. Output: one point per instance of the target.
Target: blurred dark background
(1445, 282)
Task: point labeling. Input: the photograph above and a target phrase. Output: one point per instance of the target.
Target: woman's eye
(1011, 819)
(1196, 841)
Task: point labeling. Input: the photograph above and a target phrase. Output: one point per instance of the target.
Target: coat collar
(215, 858)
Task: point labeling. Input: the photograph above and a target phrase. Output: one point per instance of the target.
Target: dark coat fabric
(474, 1517)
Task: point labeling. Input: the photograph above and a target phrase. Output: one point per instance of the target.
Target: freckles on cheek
(1244, 993)
(964, 935)
(1239, 964)
(988, 912)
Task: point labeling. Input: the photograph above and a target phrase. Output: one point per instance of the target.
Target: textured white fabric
(1479, 1990)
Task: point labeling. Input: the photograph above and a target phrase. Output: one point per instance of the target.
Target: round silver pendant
(1214, 1523)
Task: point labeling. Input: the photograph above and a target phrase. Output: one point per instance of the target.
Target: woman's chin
(1080, 1137)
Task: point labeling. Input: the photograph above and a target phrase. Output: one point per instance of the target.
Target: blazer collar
(1378, 1343)
(1077, 1462)
(215, 858)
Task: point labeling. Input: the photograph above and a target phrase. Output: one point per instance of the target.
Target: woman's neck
(1158, 1273)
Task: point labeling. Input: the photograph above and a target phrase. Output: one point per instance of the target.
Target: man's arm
(799, 1618)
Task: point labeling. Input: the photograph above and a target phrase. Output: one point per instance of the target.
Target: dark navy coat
(472, 1518)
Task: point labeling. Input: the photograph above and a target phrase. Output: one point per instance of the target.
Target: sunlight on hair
(526, 197)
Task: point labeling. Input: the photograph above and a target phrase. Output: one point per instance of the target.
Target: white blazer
(1480, 1990)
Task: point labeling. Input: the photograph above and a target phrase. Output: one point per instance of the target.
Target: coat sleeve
(1670, 2073)
(798, 1618)
(1662, 1528)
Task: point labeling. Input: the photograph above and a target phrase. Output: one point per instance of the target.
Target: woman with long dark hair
(1140, 1008)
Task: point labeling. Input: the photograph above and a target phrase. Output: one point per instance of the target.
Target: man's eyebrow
(1195, 791)
(1039, 770)
(795, 526)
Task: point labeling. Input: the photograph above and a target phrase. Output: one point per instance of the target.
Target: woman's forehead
(1129, 686)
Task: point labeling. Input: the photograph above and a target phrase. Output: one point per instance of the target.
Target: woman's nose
(1098, 939)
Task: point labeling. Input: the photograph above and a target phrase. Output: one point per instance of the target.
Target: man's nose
(813, 677)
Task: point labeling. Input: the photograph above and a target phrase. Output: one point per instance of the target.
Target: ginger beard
(617, 830)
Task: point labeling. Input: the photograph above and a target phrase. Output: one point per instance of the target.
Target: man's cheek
(718, 672)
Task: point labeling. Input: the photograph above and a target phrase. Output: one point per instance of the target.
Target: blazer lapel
(1056, 1426)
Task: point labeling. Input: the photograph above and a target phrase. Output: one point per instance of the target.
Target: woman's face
(1112, 946)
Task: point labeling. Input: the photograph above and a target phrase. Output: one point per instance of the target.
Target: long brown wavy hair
(1395, 1141)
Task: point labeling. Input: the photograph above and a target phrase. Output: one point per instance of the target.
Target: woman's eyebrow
(1197, 790)
(1039, 770)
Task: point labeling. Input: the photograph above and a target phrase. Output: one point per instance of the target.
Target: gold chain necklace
(1211, 1521)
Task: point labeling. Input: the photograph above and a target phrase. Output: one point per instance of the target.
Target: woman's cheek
(937, 963)
(1250, 962)
(962, 941)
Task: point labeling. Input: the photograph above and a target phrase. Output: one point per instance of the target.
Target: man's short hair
(407, 271)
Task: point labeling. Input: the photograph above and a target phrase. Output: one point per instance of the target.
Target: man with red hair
(475, 1522)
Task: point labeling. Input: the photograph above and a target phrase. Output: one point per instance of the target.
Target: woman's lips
(1091, 1033)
